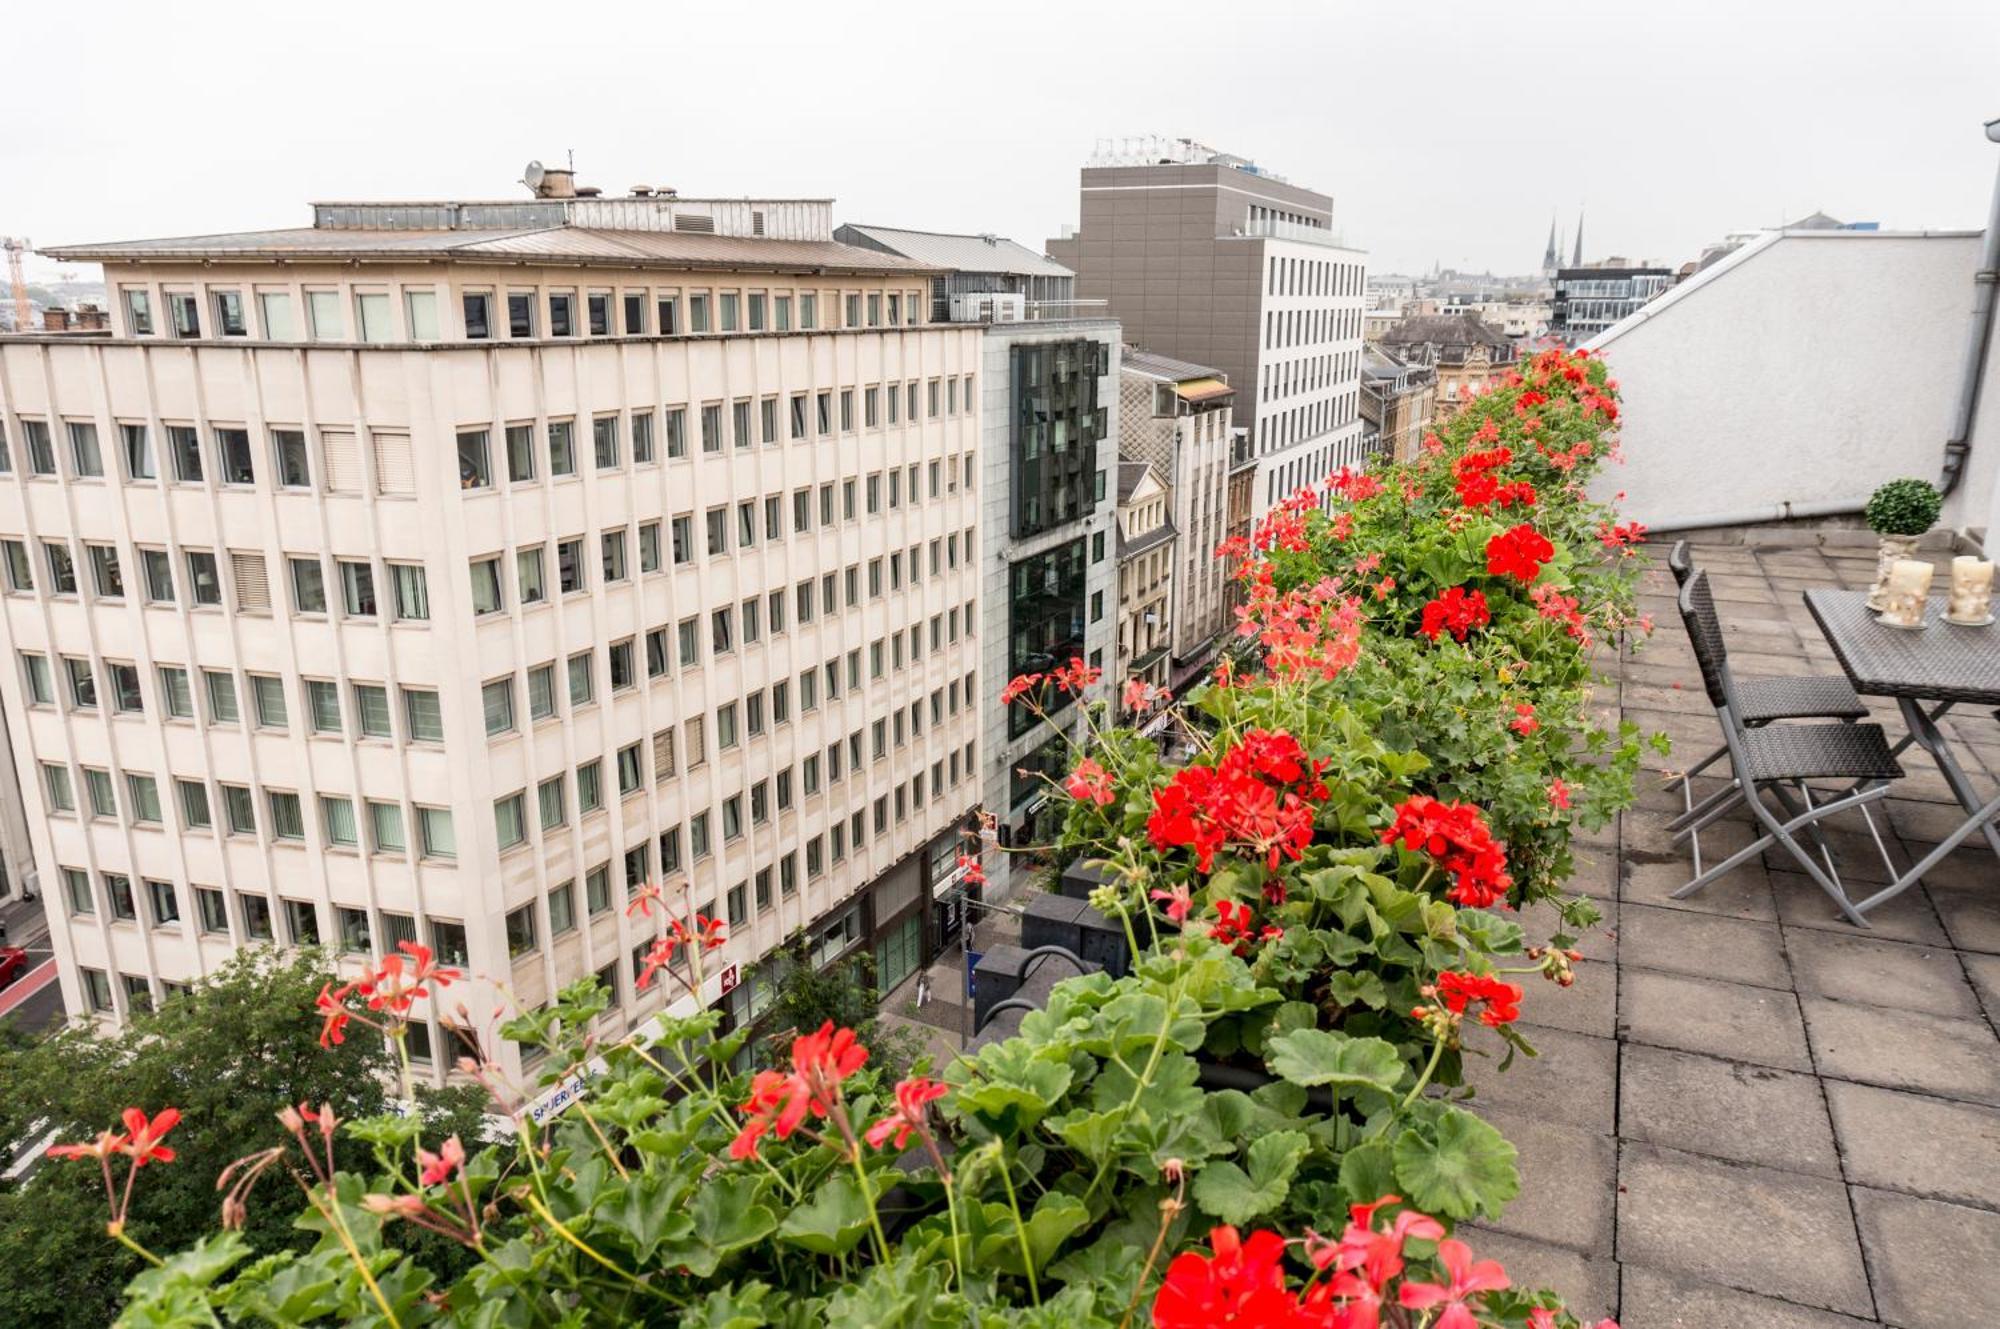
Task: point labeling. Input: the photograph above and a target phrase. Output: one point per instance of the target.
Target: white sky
(1446, 131)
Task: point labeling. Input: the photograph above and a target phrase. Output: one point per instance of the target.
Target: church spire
(1577, 261)
(1550, 257)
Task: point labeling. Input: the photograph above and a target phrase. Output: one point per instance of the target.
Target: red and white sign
(729, 979)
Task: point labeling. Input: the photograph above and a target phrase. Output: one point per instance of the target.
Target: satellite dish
(532, 176)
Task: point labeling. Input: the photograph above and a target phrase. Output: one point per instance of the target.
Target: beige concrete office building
(1205, 257)
(449, 570)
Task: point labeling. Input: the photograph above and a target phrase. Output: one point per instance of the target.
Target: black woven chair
(1760, 701)
(1779, 760)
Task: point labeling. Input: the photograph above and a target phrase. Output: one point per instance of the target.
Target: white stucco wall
(1807, 367)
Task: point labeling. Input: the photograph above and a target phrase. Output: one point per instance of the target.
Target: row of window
(368, 315)
(1309, 327)
(1312, 276)
(1295, 424)
(231, 458)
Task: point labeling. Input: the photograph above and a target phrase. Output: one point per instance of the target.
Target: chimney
(55, 319)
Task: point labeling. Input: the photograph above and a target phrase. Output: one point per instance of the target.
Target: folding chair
(1770, 758)
(1760, 701)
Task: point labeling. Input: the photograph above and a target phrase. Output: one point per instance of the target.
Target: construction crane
(24, 313)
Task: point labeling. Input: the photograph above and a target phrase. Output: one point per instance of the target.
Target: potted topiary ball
(1899, 513)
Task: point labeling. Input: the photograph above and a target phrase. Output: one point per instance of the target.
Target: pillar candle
(1911, 576)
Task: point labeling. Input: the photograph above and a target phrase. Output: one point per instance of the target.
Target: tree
(844, 993)
(229, 1053)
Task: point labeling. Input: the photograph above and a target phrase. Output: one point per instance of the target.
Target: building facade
(1205, 257)
(1147, 549)
(1462, 350)
(981, 277)
(1179, 418)
(450, 572)
(1397, 402)
(1589, 299)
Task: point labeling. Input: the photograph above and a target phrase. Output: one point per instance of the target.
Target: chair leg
(1811, 827)
(1711, 815)
(1783, 834)
(1686, 777)
(1694, 809)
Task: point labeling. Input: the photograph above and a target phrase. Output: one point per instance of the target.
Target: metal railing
(1272, 229)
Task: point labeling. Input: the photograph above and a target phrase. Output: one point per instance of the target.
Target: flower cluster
(1518, 552)
(1360, 1281)
(1458, 611)
(1477, 488)
(392, 989)
(1455, 837)
(1457, 992)
(707, 934)
(1090, 783)
(779, 1102)
(1071, 678)
(1311, 631)
(1567, 610)
(1624, 538)
(1259, 796)
(1236, 926)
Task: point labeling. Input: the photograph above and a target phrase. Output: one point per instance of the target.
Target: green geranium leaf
(1362, 988)
(1237, 1196)
(1320, 1056)
(830, 1223)
(1092, 1134)
(1460, 1168)
(1368, 1172)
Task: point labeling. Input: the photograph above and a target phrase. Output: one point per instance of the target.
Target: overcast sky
(1446, 132)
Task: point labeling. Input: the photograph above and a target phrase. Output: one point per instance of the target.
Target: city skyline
(1850, 118)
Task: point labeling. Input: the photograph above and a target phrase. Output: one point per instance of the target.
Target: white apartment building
(1179, 418)
(448, 571)
(1147, 545)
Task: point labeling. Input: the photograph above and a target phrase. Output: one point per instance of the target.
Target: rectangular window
(323, 706)
(739, 422)
(562, 909)
(649, 546)
(698, 313)
(590, 786)
(597, 889)
(62, 568)
(581, 689)
(439, 841)
(357, 588)
(562, 314)
(631, 769)
(635, 314)
(726, 311)
(138, 311)
(549, 801)
(55, 782)
(105, 573)
(240, 809)
(337, 816)
(497, 701)
(612, 556)
(426, 720)
(642, 437)
(520, 453)
(562, 448)
(541, 692)
(475, 469)
(83, 449)
(528, 582)
(371, 707)
(212, 909)
(268, 693)
(478, 307)
(688, 635)
(510, 823)
(624, 670)
(287, 819)
(385, 828)
(176, 693)
(486, 594)
(221, 687)
(20, 569)
(604, 442)
(597, 309)
(204, 578)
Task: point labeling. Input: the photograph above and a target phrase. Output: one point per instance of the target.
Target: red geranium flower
(1242, 1283)
(912, 1095)
(779, 1102)
(1090, 783)
(144, 1136)
(1502, 1000)
(1017, 687)
(1457, 611)
(1524, 721)
(331, 1004)
(1559, 793)
(1518, 552)
(441, 1165)
(1467, 1280)
(1258, 795)
(1179, 902)
(1456, 837)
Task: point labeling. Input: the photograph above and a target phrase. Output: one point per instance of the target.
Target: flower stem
(542, 1210)
(1020, 1231)
(117, 1230)
(1430, 1069)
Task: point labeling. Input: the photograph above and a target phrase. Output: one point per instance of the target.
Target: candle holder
(1904, 609)
(1970, 604)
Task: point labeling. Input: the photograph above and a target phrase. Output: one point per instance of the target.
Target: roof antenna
(571, 153)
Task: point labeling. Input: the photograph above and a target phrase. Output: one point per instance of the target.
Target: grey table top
(1940, 662)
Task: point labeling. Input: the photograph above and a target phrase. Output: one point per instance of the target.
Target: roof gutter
(1769, 512)
(1979, 333)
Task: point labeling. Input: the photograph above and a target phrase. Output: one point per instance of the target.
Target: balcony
(1284, 230)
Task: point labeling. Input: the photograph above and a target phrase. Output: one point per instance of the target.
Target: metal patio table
(1928, 672)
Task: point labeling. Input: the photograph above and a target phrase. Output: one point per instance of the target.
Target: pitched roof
(567, 244)
(1444, 330)
(962, 253)
(1130, 475)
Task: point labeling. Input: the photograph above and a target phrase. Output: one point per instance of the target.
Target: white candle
(1911, 576)
(1970, 574)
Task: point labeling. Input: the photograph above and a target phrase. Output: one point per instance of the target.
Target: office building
(1209, 258)
(1146, 559)
(450, 571)
(1590, 298)
(1179, 419)
(983, 278)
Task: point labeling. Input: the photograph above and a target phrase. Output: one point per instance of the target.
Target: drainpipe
(1758, 516)
(1980, 331)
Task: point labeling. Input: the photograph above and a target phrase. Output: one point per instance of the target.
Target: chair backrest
(1704, 631)
(1680, 562)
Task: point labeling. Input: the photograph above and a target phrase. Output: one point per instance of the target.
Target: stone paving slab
(1912, 1142)
(1569, 1183)
(1881, 973)
(1650, 1299)
(1753, 1229)
(1573, 1079)
(1705, 945)
(1589, 1285)
(1726, 1020)
(1728, 1110)
(1930, 1054)
(1933, 1264)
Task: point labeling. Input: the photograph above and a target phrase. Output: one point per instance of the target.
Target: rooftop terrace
(1748, 1112)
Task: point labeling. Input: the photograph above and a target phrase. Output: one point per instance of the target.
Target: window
(475, 469)
(82, 684)
(824, 412)
(413, 596)
(720, 640)
(288, 450)
(631, 769)
(687, 634)
(562, 448)
(62, 568)
(486, 596)
(562, 314)
(676, 417)
(178, 695)
(287, 819)
(240, 808)
(597, 889)
(308, 585)
(541, 692)
(711, 427)
(97, 984)
(604, 441)
(528, 583)
(478, 306)
(746, 525)
(20, 571)
(212, 909)
(520, 441)
(697, 741)
(580, 686)
(549, 802)
(698, 846)
(649, 546)
(55, 780)
(357, 588)
(268, 693)
(590, 786)
(562, 909)
(718, 531)
(597, 309)
(371, 316)
(426, 720)
(497, 701)
(385, 828)
(353, 930)
(183, 445)
(642, 437)
(612, 556)
(186, 314)
(510, 823)
(204, 578)
(681, 538)
(138, 312)
(520, 314)
(739, 422)
(371, 706)
(337, 816)
(323, 706)
(438, 840)
(725, 726)
(83, 449)
(105, 574)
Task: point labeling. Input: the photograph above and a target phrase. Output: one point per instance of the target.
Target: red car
(13, 963)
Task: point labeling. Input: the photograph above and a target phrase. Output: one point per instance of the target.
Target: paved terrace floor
(1747, 1113)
